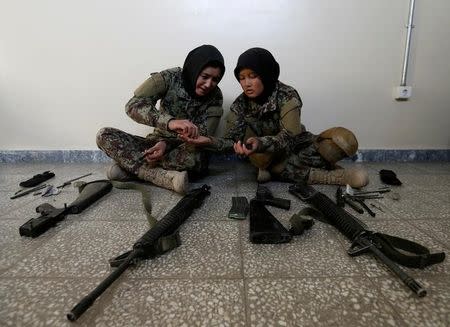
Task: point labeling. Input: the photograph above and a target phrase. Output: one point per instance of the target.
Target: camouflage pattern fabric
(263, 121)
(176, 103)
(303, 156)
(126, 149)
(277, 135)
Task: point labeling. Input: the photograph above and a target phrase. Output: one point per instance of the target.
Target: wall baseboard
(403, 155)
(97, 156)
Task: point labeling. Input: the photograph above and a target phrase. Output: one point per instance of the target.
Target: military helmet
(336, 143)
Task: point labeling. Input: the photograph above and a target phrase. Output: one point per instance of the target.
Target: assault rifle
(382, 246)
(50, 216)
(144, 247)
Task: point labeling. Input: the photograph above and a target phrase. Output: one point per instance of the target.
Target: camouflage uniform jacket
(176, 103)
(275, 122)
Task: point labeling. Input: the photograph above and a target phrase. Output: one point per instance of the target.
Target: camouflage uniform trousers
(302, 157)
(126, 149)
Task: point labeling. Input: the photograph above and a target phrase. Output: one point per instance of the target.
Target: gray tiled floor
(217, 277)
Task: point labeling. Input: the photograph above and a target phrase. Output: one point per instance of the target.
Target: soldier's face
(251, 83)
(207, 80)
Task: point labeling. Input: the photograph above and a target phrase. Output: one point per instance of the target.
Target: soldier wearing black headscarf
(190, 105)
(264, 124)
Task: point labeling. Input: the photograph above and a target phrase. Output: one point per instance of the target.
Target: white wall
(67, 68)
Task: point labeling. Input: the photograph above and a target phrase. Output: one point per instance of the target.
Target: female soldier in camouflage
(191, 105)
(264, 124)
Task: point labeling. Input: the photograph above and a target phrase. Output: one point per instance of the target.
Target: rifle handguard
(50, 215)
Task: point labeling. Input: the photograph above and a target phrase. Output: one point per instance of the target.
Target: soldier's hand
(156, 152)
(246, 149)
(251, 145)
(199, 141)
(184, 127)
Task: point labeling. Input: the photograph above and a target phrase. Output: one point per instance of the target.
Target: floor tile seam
(129, 278)
(417, 278)
(7, 189)
(137, 220)
(241, 252)
(375, 287)
(7, 217)
(422, 188)
(439, 190)
(383, 298)
(15, 208)
(429, 274)
(441, 276)
(429, 234)
(28, 253)
(423, 218)
(223, 278)
(242, 273)
(292, 276)
(402, 215)
(367, 219)
(395, 316)
(430, 218)
(345, 246)
(198, 220)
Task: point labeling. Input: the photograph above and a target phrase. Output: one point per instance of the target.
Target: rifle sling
(417, 256)
(166, 242)
(304, 219)
(420, 256)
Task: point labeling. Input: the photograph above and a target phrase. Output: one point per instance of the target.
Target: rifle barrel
(89, 299)
(406, 279)
(170, 222)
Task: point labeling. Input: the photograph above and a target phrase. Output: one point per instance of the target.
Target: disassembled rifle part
(143, 248)
(388, 249)
(50, 216)
(72, 180)
(239, 207)
(37, 179)
(355, 199)
(20, 193)
(265, 228)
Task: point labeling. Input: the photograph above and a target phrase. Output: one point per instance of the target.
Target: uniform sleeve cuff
(265, 144)
(163, 121)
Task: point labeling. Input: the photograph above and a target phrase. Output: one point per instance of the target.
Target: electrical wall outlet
(402, 92)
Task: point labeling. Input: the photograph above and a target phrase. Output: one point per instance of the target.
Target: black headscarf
(196, 61)
(264, 64)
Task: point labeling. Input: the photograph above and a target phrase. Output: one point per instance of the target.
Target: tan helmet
(336, 143)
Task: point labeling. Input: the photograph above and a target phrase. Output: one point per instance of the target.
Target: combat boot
(168, 179)
(355, 177)
(117, 173)
(262, 162)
